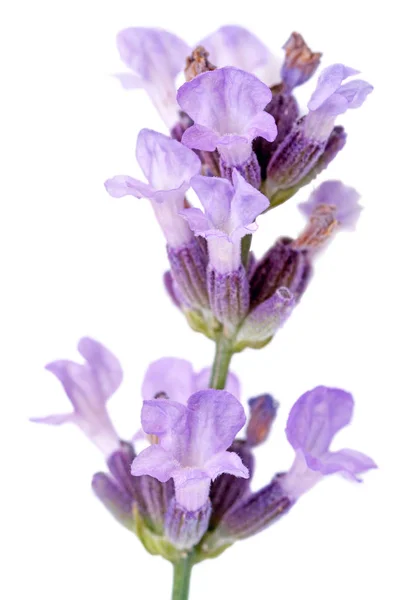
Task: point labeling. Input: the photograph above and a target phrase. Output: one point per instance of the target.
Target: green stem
(222, 359)
(182, 571)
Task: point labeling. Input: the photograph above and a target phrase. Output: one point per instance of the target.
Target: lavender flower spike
(313, 422)
(168, 167)
(229, 214)
(301, 149)
(235, 46)
(192, 446)
(343, 198)
(155, 57)
(227, 107)
(89, 386)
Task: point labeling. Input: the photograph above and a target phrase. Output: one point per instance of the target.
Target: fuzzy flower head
(227, 107)
(89, 386)
(332, 97)
(193, 442)
(168, 167)
(229, 214)
(156, 57)
(313, 422)
(342, 198)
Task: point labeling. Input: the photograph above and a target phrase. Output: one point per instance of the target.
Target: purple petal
(355, 92)
(316, 417)
(226, 462)
(328, 83)
(160, 417)
(77, 382)
(201, 138)
(104, 365)
(349, 463)
(155, 461)
(166, 163)
(262, 125)
(224, 100)
(247, 204)
(169, 378)
(214, 419)
(152, 53)
(197, 220)
(54, 419)
(123, 185)
(215, 194)
(335, 193)
(129, 81)
(232, 45)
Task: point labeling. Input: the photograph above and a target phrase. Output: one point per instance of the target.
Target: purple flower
(89, 386)
(227, 107)
(156, 57)
(168, 167)
(342, 198)
(331, 98)
(235, 46)
(175, 379)
(313, 422)
(302, 150)
(229, 214)
(193, 442)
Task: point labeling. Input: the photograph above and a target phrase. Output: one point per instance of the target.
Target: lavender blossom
(168, 167)
(300, 151)
(229, 213)
(155, 57)
(313, 422)
(227, 107)
(89, 386)
(342, 198)
(192, 443)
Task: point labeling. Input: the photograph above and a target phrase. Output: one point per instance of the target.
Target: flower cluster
(235, 138)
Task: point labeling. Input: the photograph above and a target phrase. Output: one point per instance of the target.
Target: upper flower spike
(193, 442)
(313, 422)
(175, 379)
(342, 198)
(156, 57)
(89, 386)
(235, 46)
(168, 167)
(227, 107)
(229, 214)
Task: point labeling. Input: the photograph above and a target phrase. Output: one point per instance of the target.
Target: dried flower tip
(198, 63)
(300, 62)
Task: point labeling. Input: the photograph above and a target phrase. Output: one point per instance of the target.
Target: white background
(75, 262)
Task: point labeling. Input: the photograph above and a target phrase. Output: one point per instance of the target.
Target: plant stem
(182, 571)
(222, 359)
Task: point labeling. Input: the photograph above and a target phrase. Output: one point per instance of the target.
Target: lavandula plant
(238, 139)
